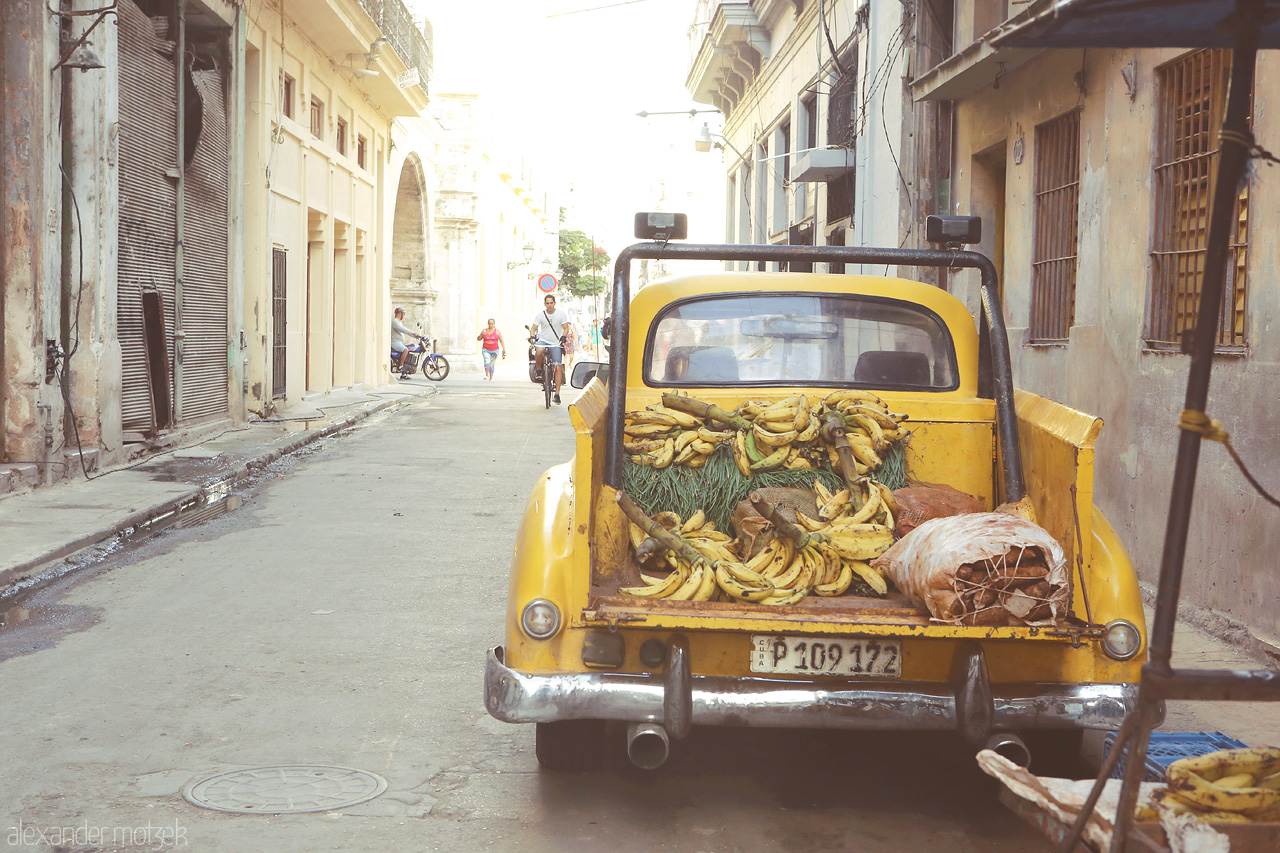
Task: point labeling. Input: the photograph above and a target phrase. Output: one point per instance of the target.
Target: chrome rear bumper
(971, 706)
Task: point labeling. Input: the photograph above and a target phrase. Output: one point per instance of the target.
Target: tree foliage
(584, 264)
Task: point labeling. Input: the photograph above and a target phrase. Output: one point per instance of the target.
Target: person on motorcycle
(548, 330)
(398, 343)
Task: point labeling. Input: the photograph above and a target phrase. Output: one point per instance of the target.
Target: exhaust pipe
(1010, 746)
(647, 745)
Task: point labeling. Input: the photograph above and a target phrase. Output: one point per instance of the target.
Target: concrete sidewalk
(44, 525)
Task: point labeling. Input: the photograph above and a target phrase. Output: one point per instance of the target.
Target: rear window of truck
(800, 338)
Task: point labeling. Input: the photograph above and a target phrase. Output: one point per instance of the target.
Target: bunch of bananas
(659, 436)
(1228, 786)
(703, 565)
(787, 434)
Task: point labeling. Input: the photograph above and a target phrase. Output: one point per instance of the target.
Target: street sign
(546, 282)
(405, 79)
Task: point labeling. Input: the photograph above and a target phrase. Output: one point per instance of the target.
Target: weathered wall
(1105, 369)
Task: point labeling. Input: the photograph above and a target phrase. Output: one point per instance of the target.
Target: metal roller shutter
(204, 280)
(148, 202)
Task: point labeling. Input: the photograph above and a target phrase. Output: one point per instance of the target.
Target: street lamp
(528, 256)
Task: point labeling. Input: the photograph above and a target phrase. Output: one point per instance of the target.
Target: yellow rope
(1193, 421)
(1211, 430)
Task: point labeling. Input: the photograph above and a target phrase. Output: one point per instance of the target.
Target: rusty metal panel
(148, 203)
(205, 241)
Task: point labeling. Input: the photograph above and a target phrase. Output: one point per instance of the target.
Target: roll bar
(994, 336)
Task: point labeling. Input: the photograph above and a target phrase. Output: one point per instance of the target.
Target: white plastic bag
(984, 568)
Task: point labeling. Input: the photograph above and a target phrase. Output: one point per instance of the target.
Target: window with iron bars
(1191, 94)
(1057, 230)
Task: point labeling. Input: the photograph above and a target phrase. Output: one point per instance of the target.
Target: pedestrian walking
(491, 345)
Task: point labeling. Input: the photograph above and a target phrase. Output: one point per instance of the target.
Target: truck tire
(570, 746)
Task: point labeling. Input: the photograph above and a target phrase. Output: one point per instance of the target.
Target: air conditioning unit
(821, 165)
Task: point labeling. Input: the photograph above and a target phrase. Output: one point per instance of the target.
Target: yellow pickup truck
(580, 657)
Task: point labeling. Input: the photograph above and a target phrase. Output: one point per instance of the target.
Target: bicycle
(544, 377)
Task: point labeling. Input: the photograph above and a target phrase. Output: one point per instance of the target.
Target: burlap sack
(923, 501)
(748, 525)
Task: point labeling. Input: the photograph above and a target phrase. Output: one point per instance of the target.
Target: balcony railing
(411, 44)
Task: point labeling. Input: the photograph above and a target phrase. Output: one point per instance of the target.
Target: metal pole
(1232, 157)
(180, 212)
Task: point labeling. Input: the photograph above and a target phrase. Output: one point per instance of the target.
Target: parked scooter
(434, 366)
(534, 375)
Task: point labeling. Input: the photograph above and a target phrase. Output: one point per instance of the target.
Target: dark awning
(1137, 23)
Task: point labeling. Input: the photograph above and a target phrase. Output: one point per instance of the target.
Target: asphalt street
(339, 615)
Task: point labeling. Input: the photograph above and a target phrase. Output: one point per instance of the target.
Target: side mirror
(584, 371)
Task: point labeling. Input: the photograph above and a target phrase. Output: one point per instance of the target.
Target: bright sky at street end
(563, 91)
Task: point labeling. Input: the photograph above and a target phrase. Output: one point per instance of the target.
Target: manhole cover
(287, 789)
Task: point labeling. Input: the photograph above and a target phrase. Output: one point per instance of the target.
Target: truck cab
(582, 654)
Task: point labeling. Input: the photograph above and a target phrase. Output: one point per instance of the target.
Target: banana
(873, 430)
(880, 416)
(783, 409)
(872, 504)
(863, 451)
(797, 463)
(829, 510)
(692, 584)
(659, 590)
(773, 439)
(801, 421)
(858, 541)
(744, 575)
(638, 458)
(1194, 779)
(1239, 780)
(696, 462)
(740, 457)
(753, 451)
(683, 419)
(874, 579)
(646, 416)
(684, 457)
(784, 598)
(662, 458)
(1271, 783)
(643, 446)
(788, 579)
(646, 430)
(1167, 799)
(896, 434)
(712, 437)
(751, 409)
(812, 525)
(839, 585)
(709, 587)
(668, 520)
(702, 448)
(737, 589)
(850, 394)
(773, 460)
(809, 432)
(637, 534)
(782, 558)
(695, 521)
(886, 495)
(685, 439)
(765, 556)
(823, 493)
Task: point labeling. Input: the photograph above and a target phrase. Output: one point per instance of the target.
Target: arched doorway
(410, 258)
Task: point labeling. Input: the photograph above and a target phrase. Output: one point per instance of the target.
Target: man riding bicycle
(548, 329)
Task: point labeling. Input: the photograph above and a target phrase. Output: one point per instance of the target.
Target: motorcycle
(435, 367)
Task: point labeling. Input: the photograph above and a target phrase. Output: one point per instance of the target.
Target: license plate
(773, 653)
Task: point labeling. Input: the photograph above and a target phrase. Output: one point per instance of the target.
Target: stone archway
(411, 287)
